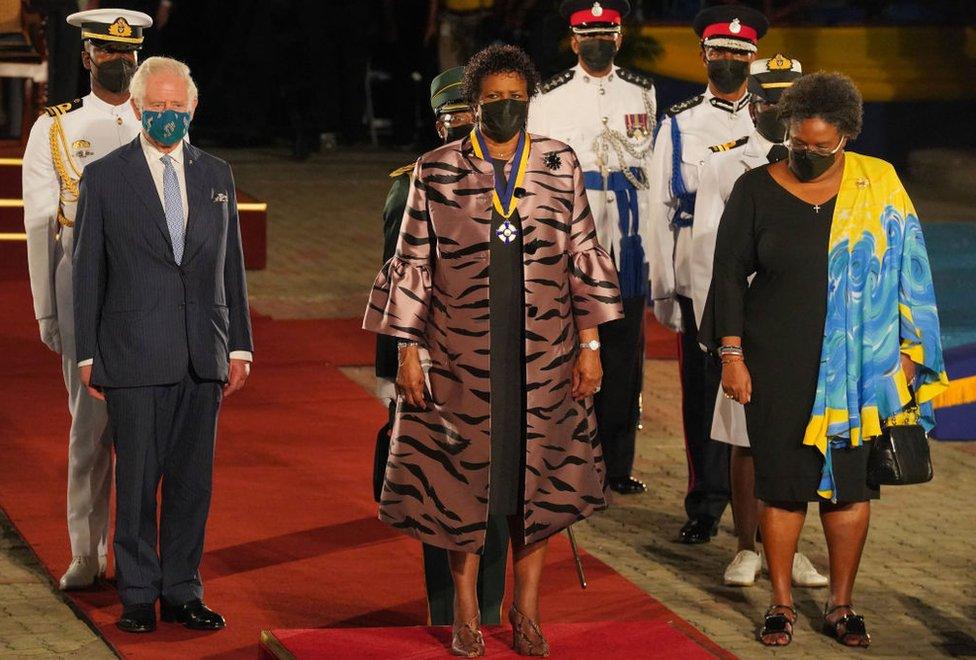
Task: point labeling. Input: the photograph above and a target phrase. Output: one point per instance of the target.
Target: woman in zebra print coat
(494, 286)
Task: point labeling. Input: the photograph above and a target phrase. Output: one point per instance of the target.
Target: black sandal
(853, 627)
(777, 623)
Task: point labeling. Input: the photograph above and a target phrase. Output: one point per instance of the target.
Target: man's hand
(410, 377)
(85, 373)
(587, 374)
(50, 333)
(239, 371)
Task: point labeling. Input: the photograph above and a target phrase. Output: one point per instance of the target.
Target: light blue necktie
(173, 205)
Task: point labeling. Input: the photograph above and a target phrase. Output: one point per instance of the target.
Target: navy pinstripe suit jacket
(143, 318)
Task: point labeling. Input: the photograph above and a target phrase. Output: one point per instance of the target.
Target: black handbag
(900, 455)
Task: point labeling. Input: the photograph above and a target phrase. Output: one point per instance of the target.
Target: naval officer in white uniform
(62, 142)
(728, 37)
(768, 79)
(606, 114)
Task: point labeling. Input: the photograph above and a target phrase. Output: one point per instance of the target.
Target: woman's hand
(736, 381)
(587, 374)
(908, 367)
(410, 376)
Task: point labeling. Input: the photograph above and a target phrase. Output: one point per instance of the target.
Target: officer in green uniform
(453, 121)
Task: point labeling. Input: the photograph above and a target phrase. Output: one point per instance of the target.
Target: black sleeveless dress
(506, 289)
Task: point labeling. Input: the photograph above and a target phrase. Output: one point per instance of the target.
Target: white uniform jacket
(62, 141)
(698, 123)
(609, 123)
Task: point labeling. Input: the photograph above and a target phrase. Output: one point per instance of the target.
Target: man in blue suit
(163, 335)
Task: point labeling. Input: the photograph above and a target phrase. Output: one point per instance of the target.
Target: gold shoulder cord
(69, 184)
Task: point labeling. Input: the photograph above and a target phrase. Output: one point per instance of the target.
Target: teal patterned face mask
(165, 127)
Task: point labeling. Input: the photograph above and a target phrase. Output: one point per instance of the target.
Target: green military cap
(445, 91)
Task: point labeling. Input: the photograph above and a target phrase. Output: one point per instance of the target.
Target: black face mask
(770, 126)
(115, 75)
(458, 132)
(727, 75)
(501, 120)
(808, 166)
(597, 54)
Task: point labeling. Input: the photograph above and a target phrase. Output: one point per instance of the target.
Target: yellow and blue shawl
(880, 303)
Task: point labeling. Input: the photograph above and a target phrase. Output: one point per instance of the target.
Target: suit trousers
(162, 433)
(491, 577)
(617, 404)
(708, 460)
(89, 440)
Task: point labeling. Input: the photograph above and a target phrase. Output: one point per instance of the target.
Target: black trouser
(708, 460)
(617, 403)
(164, 432)
(491, 577)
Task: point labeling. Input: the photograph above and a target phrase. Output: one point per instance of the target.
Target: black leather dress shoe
(192, 614)
(698, 530)
(627, 486)
(137, 619)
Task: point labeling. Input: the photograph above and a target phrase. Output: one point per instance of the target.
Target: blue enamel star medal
(506, 232)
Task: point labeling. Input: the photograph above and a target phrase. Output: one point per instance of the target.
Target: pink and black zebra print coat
(435, 290)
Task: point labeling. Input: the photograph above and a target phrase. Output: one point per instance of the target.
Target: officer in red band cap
(728, 36)
(606, 114)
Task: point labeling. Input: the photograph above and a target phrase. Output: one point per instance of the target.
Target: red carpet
(567, 641)
(659, 342)
(293, 540)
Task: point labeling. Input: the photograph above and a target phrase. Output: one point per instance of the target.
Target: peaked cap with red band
(589, 17)
(733, 27)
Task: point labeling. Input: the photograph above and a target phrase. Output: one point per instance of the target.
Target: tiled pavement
(34, 620)
(917, 585)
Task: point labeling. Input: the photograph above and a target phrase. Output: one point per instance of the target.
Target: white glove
(668, 313)
(50, 333)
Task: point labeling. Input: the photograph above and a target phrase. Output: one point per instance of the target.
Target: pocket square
(220, 198)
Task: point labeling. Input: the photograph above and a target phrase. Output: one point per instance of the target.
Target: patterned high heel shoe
(466, 640)
(527, 639)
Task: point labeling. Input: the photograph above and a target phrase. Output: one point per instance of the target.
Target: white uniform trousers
(89, 441)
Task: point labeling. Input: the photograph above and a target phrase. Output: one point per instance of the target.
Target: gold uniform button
(118, 120)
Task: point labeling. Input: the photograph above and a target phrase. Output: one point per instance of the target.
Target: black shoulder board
(400, 171)
(684, 105)
(638, 79)
(63, 108)
(730, 145)
(557, 80)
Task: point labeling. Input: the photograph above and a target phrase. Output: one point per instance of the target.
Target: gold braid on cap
(69, 185)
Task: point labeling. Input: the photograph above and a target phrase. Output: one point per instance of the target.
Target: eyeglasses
(817, 151)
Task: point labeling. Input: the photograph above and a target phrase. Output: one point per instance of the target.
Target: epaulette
(729, 145)
(638, 79)
(63, 108)
(684, 105)
(400, 171)
(557, 80)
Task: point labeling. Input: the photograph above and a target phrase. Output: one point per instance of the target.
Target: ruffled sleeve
(399, 302)
(592, 275)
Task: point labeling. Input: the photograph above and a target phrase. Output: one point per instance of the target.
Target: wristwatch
(593, 345)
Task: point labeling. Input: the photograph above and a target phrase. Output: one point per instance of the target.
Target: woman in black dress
(778, 337)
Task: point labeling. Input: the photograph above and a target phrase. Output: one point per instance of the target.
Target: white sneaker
(82, 572)
(804, 573)
(743, 570)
